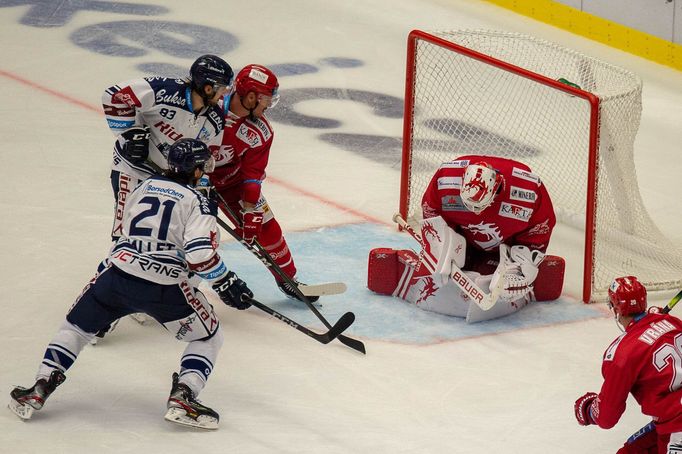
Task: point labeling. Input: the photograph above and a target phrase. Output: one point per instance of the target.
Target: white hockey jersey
(165, 105)
(168, 230)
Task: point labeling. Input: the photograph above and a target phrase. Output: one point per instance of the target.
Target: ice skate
(290, 292)
(24, 401)
(184, 409)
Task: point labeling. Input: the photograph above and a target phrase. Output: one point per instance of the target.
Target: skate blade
(178, 416)
(22, 411)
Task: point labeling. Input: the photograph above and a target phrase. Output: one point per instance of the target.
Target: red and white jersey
(522, 213)
(646, 360)
(242, 156)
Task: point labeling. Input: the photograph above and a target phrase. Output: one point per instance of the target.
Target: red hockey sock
(273, 242)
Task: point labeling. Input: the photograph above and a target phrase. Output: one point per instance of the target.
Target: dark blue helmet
(185, 155)
(211, 70)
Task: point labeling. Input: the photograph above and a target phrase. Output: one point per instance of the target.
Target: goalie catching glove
(233, 291)
(518, 269)
(136, 146)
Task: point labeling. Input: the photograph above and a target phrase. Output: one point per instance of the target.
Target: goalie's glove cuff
(528, 261)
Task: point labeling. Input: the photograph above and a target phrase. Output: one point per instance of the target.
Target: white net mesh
(462, 105)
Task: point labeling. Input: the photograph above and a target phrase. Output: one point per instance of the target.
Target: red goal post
(571, 117)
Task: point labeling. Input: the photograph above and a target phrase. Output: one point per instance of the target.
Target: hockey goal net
(570, 117)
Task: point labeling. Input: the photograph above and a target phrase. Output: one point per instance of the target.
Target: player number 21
(155, 205)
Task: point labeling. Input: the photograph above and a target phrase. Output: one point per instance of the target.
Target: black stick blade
(344, 322)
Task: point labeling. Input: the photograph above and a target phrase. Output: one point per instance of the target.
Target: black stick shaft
(324, 338)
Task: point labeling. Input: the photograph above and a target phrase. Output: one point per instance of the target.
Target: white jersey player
(148, 115)
(169, 228)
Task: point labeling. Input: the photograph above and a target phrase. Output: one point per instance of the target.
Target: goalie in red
(489, 216)
(646, 360)
(241, 159)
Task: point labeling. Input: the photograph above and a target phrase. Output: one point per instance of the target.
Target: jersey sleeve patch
(610, 352)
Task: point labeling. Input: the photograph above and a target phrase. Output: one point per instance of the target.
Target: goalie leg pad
(382, 270)
(428, 294)
(550, 281)
(389, 270)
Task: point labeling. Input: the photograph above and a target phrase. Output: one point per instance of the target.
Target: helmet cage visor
(208, 165)
(269, 101)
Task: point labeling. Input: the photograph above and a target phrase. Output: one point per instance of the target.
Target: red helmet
(258, 79)
(627, 296)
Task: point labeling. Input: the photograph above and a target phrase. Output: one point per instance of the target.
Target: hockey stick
(344, 322)
(329, 288)
(668, 307)
(484, 300)
(256, 249)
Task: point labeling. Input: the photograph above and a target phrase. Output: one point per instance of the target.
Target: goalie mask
(627, 296)
(479, 187)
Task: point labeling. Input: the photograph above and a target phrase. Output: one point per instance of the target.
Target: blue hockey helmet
(186, 155)
(210, 70)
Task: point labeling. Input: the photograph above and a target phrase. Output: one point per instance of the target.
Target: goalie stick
(483, 299)
(256, 249)
(344, 322)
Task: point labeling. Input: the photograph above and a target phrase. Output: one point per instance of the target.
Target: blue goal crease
(339, 254)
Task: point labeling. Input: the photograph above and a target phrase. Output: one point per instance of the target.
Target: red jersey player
(646, 360)
(241, 159)
(502, 201)
(476, 208)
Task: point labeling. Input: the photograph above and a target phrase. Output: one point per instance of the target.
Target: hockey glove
(582, 409)
(233, 291)
(136, 146)
(252, 224)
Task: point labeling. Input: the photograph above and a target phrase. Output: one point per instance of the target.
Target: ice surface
(428, 384)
